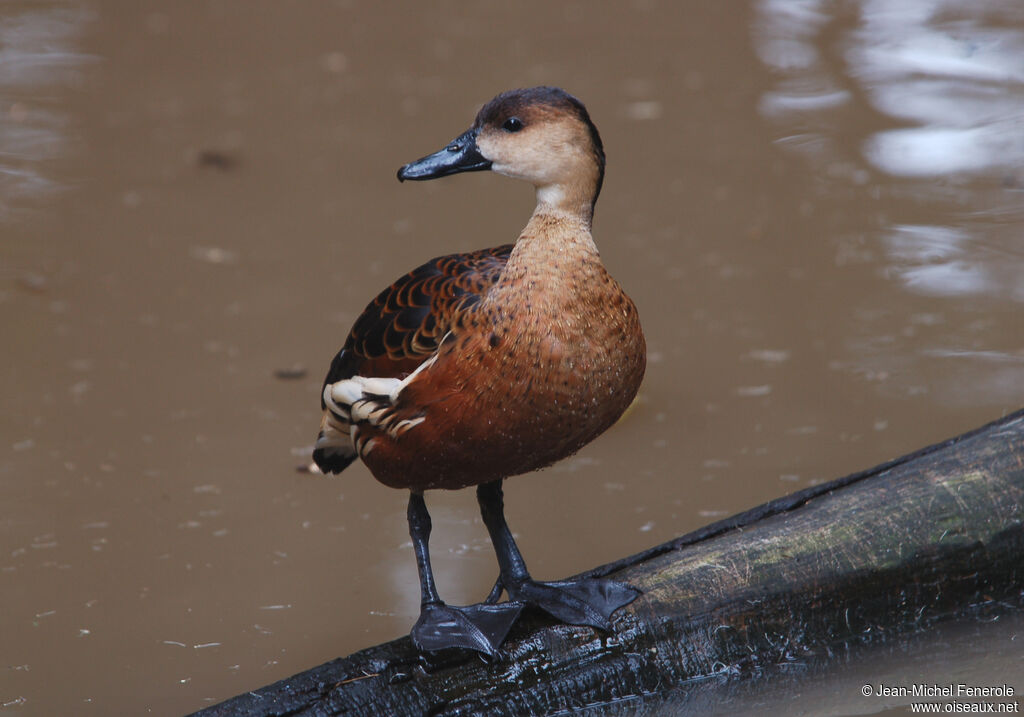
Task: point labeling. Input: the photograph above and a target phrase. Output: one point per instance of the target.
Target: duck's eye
(512, 124)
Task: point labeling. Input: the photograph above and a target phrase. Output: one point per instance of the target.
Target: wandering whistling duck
(475, 367)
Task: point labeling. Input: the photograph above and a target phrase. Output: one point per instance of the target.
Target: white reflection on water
(36, 56)
(935, 257)
(947, 261)
(954, 70)
(943, 67)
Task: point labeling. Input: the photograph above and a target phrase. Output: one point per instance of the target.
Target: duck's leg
(588, 601)
(440, 626)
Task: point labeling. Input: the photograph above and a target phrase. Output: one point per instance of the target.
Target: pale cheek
(541, 160)
(490, 150)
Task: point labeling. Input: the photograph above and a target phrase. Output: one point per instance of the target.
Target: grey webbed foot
(474, 627)
(588, 601)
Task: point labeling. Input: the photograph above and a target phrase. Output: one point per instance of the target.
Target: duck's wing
(404, 324)
(400, 329)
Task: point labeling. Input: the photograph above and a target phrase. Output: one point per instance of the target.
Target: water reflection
(36, 55)
(947, 261)
(955, 71)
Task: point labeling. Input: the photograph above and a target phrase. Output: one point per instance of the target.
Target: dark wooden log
(890, 551)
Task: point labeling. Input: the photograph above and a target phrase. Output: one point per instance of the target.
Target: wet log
(894, 550)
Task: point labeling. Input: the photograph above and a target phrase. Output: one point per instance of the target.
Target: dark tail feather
(333, 450)
(331, 460)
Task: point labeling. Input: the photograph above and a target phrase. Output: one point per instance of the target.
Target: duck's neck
(555, 200)
(554, 231)
(575, 198)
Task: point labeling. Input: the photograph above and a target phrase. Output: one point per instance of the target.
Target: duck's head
(542, 135)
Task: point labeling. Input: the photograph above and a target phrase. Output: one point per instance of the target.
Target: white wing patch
(361, 400)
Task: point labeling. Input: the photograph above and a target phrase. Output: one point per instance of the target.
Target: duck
(475, 367)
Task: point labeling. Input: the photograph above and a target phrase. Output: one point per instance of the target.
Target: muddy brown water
(817, 207)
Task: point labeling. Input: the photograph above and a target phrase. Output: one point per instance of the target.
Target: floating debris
(291, 373)
(217, 159)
